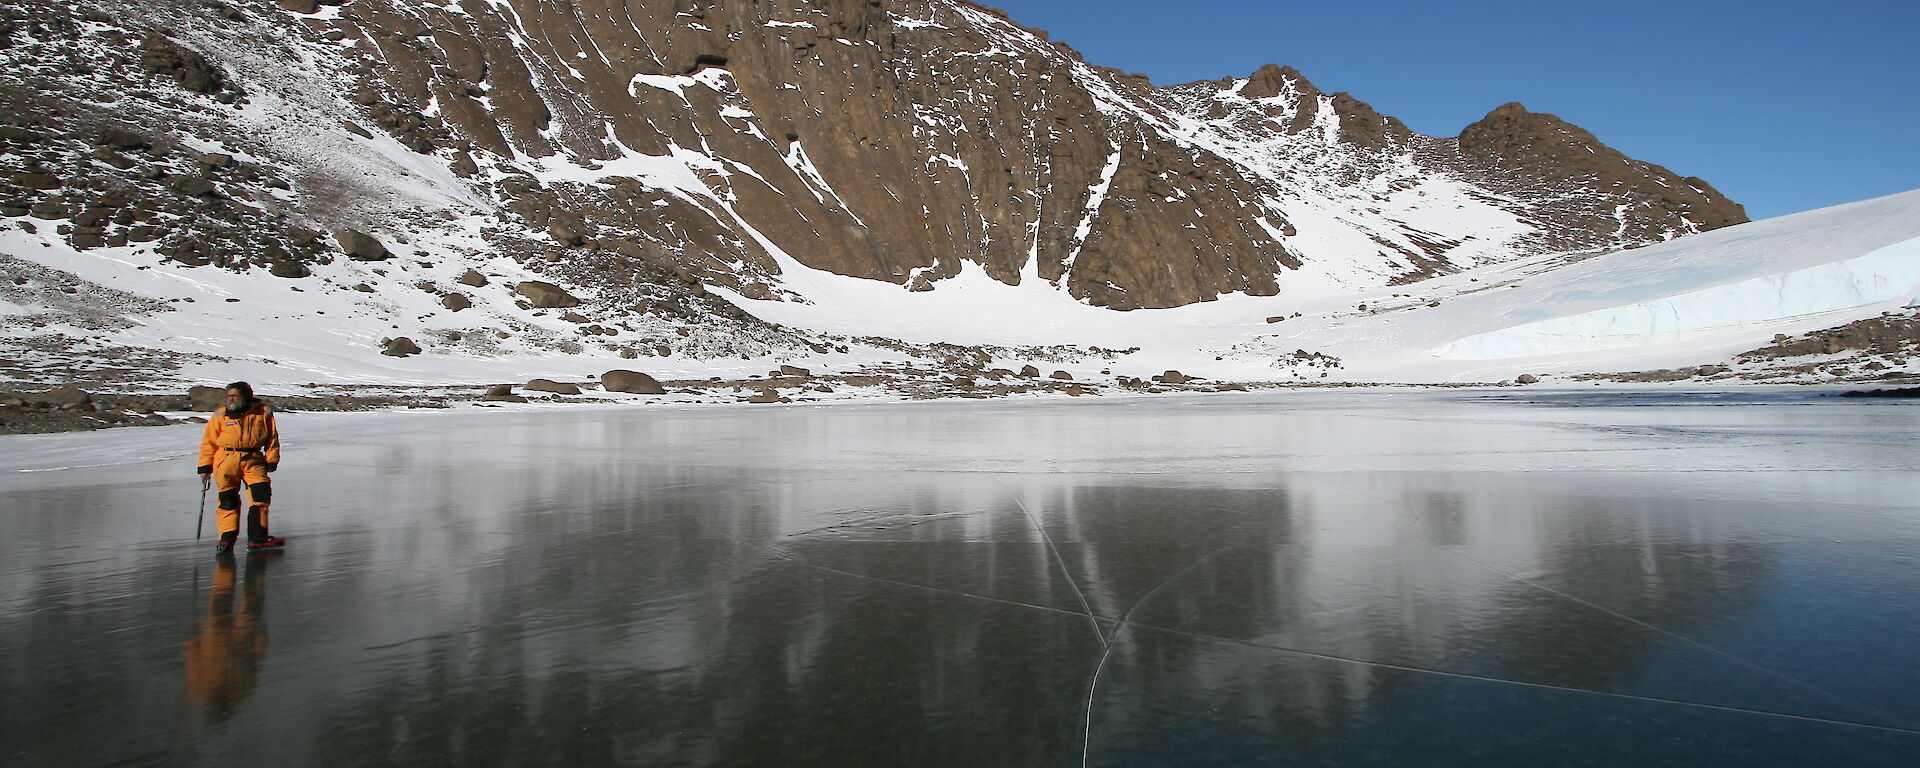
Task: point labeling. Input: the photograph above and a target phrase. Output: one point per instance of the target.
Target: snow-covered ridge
(931, 173)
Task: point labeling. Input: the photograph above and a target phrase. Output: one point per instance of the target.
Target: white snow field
(1697, 299)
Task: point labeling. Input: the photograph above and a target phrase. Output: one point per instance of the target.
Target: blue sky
(1784, 106)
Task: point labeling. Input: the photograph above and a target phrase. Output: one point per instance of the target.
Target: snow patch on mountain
(1704, 297)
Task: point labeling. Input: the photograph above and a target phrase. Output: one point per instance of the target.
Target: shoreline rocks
(549, 385)
(631, 382)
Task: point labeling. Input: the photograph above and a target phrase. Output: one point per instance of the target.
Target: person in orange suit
(241, 445)
(225, 652)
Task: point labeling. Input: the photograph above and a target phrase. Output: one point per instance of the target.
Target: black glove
(272, 465)
(206, 469)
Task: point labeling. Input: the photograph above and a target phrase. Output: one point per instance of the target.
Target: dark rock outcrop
(361, 246)
(546, 295)
(549, 385)
(632, 382)
(205, 399)
(161, 56)
(61, 397)
(399, 347)
(1533, 152)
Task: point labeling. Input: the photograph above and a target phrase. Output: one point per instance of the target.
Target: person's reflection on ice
(224, 654)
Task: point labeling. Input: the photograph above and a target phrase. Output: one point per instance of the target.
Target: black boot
(225, 544)
(256, 529)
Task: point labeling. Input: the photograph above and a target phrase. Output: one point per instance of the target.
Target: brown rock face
(161, 56)
(1514, 149)
(656, 146)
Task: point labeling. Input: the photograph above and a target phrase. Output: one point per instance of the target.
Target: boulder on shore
(205, 399)
(66, 398)
(631, 382)
(549, 385)
(501, 393)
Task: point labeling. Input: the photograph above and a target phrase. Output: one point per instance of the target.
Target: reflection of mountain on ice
(1449, 599)
(1297, 571)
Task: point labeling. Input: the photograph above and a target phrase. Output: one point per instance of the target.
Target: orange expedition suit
(239, 448)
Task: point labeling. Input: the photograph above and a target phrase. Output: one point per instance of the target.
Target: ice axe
(201, 523)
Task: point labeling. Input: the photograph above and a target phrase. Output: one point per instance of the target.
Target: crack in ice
(1061, 561)
(1363, 662)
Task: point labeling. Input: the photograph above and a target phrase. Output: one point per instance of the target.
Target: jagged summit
(670, 164)
(893, 141)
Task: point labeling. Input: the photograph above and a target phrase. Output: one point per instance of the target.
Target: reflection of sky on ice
(1325, 577)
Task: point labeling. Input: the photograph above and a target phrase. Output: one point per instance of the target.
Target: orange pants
(230, 469)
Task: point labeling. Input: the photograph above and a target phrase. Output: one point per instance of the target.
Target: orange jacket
(252, 429)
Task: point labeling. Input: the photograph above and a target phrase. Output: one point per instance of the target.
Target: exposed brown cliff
(1538, 154)
(688, 142)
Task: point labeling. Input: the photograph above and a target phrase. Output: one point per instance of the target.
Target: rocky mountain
(892, 141)
(515, 158)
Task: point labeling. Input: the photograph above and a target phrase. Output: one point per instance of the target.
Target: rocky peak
(1512, 135)
(727, 143)
(1513, 145)
(1363, 127)
(1272, 80)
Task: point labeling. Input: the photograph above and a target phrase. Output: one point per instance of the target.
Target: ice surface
(1324, 578)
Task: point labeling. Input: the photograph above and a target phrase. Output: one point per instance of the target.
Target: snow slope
(1696, 299)
(1699, 299)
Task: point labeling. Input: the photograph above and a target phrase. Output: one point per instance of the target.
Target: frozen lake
(1322, 578)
